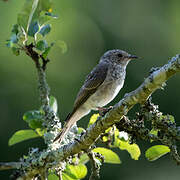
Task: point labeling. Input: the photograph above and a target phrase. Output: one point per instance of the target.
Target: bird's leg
(104, 110)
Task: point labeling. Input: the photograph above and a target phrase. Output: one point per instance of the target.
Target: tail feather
(69, 123)
(70, 120)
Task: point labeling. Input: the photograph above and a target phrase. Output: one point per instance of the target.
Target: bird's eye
(120, 55)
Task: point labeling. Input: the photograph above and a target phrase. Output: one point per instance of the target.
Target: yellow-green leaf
(65, 177)
(53, 177)
(84, 159)
(156, 152)
(133, 149)
(40, 131)
(81, 130)
(76, 172)
(22, 135)
(93, 119)
(109, 155)
(153, 132)
(105, 138)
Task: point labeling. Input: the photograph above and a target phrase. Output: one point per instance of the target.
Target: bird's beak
(132, 56)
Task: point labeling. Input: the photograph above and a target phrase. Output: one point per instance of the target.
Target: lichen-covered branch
(94, 166)
(153, 82)
(50, 117)
(9, 165)
(57, 154)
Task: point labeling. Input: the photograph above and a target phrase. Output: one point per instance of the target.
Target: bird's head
(117, 56)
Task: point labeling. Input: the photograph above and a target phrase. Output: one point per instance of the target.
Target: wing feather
(91, 84)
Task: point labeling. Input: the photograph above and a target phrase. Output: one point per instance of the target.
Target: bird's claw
(103, 110)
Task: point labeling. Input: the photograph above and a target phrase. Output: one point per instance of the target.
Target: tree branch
(95, 167)
(153, 82)
(56, 154)
(9, 165)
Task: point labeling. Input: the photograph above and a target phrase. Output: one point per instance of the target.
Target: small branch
(43, 87)
(45, 61)
(60, 175)
(175, 154)
(95, 167)
(9, 165)
(33, 54)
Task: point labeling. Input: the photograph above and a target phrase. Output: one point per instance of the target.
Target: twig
(175, 154)
(43, 87)
(60, 175)
(45, 61)
(9, 165)
(95, 167)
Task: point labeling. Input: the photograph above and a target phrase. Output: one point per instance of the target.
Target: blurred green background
(148, 29)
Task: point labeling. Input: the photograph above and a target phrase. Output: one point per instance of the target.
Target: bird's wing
(91, 84)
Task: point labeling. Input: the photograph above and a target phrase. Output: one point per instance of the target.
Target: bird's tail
(70, 120)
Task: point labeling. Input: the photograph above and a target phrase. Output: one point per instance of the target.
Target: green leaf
(53, 103)
(22, 135)
(15, 51)
(81, 130)
(84, 159)
(156, 152)
(15, 29)
(40, 131)
(153, 132)
(30, 20)
(46, 52)
(109, 155)
(42, 45)
(33, 29)
(53, 177)
(62, 45)
(23, 16)
(43, 18)
(9, 44)
(168, 118)
(133, 149)
(93, 119)
(45, 29)
(46, 16)
(51, 15)
(33, 11)
(34, 118)
(45, 5)
(76, 172)
(14, 38)
(66, 177)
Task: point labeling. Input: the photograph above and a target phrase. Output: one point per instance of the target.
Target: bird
(100, 87)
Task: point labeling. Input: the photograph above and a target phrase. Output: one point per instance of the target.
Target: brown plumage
(100, 87)
(91, 84)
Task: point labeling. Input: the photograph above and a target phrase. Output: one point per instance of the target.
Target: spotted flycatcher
(100, 87)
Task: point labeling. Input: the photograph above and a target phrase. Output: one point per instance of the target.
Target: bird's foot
(103, 110)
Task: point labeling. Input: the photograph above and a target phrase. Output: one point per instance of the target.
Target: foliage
(156, 152)
(22, 135)
(29, 35)
(32, 22)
